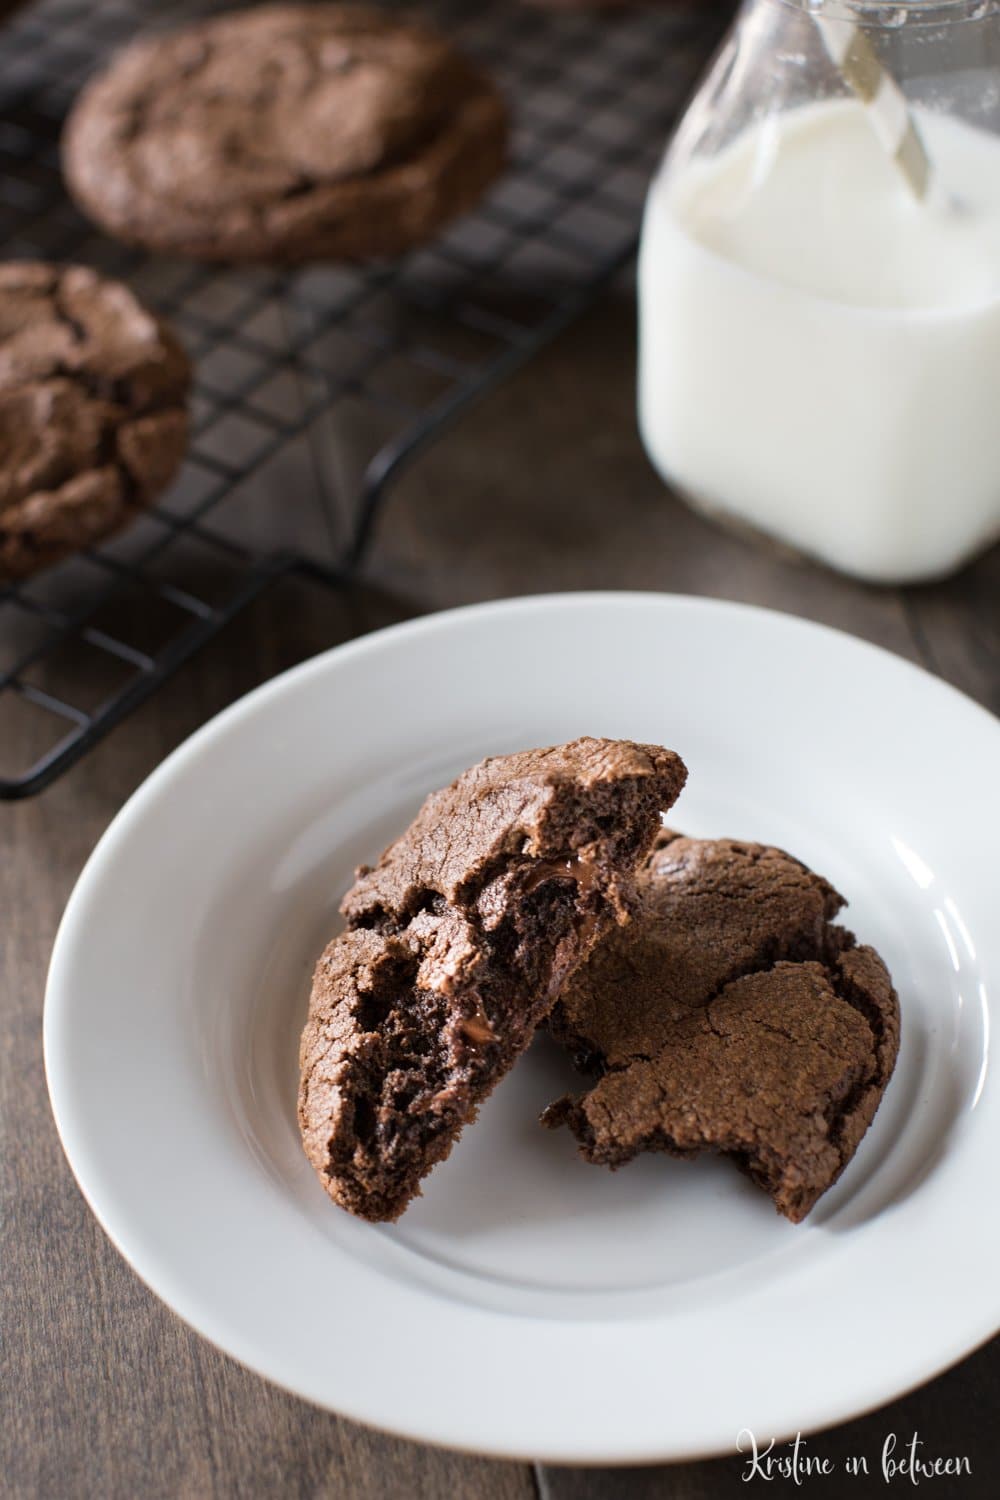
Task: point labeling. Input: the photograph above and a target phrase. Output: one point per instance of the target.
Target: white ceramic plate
(530, 1304)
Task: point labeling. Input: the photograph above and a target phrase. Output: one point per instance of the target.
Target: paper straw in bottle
(856, 60)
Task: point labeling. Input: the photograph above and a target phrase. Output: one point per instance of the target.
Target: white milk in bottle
(820, 349)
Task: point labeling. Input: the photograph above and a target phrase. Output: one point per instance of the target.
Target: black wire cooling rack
(337, 374)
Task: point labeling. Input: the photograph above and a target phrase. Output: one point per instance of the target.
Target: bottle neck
(891, 17)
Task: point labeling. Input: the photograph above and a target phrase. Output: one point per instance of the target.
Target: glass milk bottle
(819, 284)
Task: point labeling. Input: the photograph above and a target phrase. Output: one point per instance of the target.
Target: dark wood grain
(104, 1393)
(950, 1417)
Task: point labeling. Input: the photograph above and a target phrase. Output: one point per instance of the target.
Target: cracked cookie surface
(286, 133)
(93, 421)
(731, 1016)
(458, 943)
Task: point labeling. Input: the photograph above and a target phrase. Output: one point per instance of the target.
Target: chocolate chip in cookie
(459, 942)
(731, 1016)
(287, 133)
(93, 420)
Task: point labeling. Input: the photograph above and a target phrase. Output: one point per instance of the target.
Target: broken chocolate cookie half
(732, 1016)
(459, 942)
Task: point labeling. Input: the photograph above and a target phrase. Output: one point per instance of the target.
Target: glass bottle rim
(884, 15)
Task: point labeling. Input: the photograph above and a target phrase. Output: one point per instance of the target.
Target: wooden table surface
(105, 1394)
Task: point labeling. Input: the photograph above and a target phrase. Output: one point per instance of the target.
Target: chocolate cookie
(92, 411)
(731, 1016)
(287, 133)
(459, 942)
